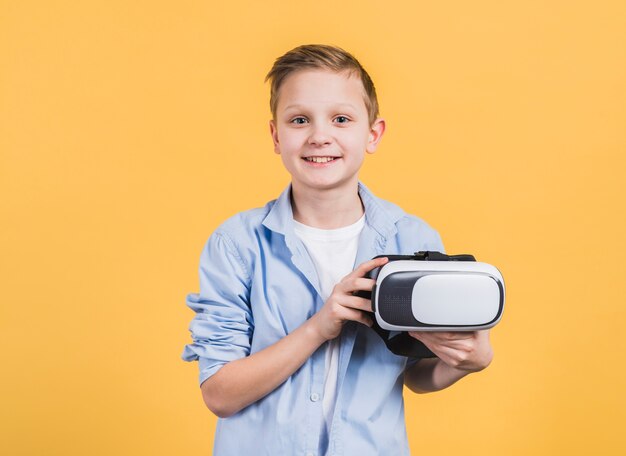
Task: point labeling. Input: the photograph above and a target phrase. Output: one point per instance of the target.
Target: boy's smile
(322, 130)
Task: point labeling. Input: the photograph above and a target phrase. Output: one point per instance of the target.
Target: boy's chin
(327, 185)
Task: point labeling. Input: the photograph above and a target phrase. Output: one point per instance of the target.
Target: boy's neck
(326, 209)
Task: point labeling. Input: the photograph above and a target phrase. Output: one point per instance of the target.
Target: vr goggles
(431, 291)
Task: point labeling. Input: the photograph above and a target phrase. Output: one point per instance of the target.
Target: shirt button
(314, 398)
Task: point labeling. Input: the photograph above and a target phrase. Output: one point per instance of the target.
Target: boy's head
(321, 57)
(324, 117)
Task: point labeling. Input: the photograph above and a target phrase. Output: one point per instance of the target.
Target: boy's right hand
(342, 305)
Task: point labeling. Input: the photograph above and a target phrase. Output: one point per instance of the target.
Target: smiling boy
(287, 359)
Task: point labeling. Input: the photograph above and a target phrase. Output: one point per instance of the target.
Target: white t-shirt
(333, 253)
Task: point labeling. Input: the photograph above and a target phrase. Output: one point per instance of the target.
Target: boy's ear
(376, 133)
(274, 133)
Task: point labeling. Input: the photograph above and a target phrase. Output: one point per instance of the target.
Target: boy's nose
(319, 136)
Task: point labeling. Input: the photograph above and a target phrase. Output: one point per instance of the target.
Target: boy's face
(321, 129)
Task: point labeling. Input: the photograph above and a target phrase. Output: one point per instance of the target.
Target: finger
(360, 317)
(460, 335)
(451, 355)
(431, 344)
(362, 283)
(355, 302)
(367, 266)
(351, 284)
(454, 340)
(430, 337)
(450, 335)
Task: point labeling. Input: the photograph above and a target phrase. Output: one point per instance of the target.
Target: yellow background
(130, 129)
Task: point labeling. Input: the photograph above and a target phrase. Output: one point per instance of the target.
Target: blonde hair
(320, 56)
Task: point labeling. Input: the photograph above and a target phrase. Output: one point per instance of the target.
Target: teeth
(320, 159)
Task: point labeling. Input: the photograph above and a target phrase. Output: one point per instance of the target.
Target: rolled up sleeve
(223, 325)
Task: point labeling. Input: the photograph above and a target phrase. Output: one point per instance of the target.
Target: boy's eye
(298, 120)
(342, 119)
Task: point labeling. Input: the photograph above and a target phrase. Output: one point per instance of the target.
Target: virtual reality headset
(426, 292)
(431, 291)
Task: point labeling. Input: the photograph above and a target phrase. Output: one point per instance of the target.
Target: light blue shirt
(258, 284)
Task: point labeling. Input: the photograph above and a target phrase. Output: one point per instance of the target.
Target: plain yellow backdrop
(130, 129)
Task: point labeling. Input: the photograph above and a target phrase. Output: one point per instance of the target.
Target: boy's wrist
(313, 332)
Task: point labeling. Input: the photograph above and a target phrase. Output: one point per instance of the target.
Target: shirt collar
(379, 215)
(280, 216)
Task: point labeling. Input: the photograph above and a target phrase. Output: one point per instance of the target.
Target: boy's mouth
(320, 159)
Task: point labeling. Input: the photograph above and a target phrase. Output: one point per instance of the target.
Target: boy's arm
(459, 354)
(244, 381)
(241, 382)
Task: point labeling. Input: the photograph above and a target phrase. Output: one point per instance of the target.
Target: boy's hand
(467, 351)
(342, 305)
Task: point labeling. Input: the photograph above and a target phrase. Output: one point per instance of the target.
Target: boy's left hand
(468, 351)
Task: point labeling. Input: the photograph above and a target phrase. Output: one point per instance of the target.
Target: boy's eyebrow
(337, 106)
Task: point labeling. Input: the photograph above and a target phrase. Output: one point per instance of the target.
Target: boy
(287, 358)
